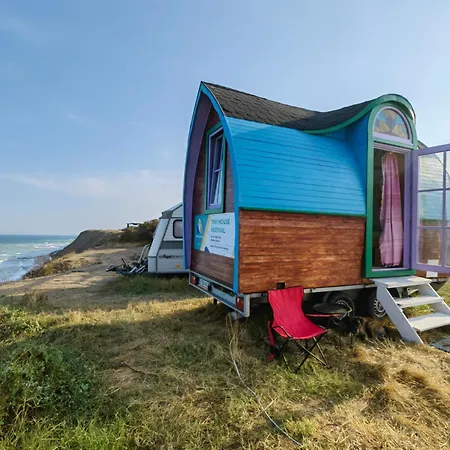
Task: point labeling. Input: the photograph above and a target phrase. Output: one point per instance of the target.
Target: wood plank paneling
(217, 267)
(299, 249)
(423, 273)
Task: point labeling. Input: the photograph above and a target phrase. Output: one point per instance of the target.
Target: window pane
(447, 168)
(213, 185)
(178, 229)
(218, 189)
(215, 171)
(391, 123)
(431, 171)
(430, 208)
(218, 153)
(447, 208)
(447, 247)
(388, 195)
(430, 246)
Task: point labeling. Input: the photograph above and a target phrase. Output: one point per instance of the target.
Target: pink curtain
(391, 240)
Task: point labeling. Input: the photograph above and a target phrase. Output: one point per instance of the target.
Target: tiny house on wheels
(346, 203)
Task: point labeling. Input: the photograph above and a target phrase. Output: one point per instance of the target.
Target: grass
(146, 284)
(158, 375)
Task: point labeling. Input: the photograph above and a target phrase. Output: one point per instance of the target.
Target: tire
(374, 309)
(339, 298)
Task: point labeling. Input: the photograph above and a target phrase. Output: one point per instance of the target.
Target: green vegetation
(142, 233)
(158, 374)
(51, 268)
(51, 393)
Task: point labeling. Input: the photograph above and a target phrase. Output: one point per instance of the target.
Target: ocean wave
(17, 258)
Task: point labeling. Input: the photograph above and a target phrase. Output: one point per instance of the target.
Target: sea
(21, 253)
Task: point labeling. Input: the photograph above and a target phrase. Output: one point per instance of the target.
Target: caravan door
(431, 209)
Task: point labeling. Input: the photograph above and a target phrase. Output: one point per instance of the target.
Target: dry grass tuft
(34, 300)
(62, 264)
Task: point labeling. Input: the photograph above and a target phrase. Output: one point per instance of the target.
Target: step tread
(395, 282)
(420, 300)
(429, 321)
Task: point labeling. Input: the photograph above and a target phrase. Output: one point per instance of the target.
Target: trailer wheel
(374, 308)
(339, 298)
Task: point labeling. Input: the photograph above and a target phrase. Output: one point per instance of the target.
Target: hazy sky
(97, 95)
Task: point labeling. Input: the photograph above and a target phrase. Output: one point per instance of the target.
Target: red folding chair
(290, 323)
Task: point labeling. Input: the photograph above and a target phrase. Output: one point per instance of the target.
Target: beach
(81, 284)
(21, 253)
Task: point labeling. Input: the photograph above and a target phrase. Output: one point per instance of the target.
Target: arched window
(391, 124)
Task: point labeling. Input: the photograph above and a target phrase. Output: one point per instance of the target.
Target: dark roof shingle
(241, 105)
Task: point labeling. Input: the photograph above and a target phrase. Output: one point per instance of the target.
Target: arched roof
(241, 105)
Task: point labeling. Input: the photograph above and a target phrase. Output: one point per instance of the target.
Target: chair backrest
(287, 310)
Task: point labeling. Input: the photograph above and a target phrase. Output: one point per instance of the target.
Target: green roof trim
(400, 102)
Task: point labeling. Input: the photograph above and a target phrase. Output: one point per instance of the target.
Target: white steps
(430, 321)
(411, 302)
(397, 282)
(410, 327)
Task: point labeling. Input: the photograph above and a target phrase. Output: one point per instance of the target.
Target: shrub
(51, 268)
(140, 233)
(15, 323)
(42, 381)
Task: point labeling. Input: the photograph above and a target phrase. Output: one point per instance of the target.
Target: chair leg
(320, 350)
(309, 352)
(282, 348)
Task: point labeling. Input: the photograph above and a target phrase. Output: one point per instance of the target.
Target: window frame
(173, 229)
(372, 142)
(443, 266)
(212, 137)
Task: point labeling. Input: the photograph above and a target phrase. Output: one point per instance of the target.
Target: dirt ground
(81, 287)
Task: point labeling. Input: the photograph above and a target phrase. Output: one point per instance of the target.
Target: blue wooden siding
(357, 135)
(289, 170)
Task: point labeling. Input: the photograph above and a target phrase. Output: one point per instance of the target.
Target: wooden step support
(409, 328)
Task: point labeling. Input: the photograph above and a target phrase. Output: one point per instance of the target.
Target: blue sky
(97, 96)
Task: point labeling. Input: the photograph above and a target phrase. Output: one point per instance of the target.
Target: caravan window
(178, 229)
(215, 171)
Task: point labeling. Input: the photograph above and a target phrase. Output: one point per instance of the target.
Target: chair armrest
(285, 332)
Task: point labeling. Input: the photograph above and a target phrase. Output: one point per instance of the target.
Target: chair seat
(308, 330)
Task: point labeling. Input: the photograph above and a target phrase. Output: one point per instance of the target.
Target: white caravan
(166, 252)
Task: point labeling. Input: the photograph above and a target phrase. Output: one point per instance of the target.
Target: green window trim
(220, 208)
(393, 143)
(369, 272)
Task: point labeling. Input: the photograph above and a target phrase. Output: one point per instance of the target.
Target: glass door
(431, 209)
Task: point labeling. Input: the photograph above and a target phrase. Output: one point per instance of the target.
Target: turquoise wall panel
(358, 139)
(289, 170)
